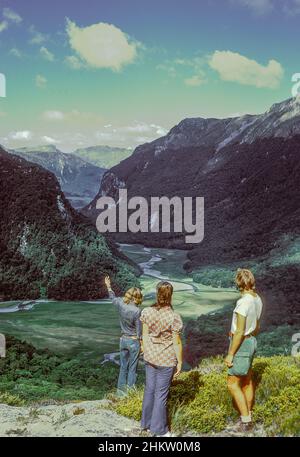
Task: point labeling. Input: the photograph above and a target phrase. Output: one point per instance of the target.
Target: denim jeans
(129, 357)
(154, 413)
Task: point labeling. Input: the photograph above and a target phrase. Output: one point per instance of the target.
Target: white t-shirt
(249, 307)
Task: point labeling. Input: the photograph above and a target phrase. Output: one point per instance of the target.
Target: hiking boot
(244, 427)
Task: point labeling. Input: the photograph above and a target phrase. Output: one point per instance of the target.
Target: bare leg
(235, 389)
(248, 389)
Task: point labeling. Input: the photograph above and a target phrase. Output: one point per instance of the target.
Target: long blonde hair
(245, 280)
(133, 294)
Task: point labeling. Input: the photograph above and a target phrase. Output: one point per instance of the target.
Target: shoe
(244, 427)
(167, 435)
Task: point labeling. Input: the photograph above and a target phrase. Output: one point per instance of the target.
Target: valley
(89, 329)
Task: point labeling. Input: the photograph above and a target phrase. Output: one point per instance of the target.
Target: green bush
(9, 399)
(199, 400)
(36, 375)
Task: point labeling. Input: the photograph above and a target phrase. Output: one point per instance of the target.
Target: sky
(123, 72)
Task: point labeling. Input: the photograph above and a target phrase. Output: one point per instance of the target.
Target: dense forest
(47, 248)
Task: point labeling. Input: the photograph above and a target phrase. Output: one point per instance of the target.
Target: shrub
(199, 400)
(9, 399)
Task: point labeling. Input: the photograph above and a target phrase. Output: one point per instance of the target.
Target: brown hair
(244, 279)
(164, 292)
(133, 294)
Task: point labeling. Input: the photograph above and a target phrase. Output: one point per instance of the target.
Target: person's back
(162, 324)
(163, 358)
(242, 347)
(250, 306)
(131, 331)
(129, 316)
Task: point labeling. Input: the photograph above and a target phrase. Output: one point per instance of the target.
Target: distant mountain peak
(281, 120)
(43, 148)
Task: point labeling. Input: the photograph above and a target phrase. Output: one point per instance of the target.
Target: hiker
(131, 328)
(162, 349)
(244, 327)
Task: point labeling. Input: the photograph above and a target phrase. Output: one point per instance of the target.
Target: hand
(229, 360)
(178, 370)
(107, 282)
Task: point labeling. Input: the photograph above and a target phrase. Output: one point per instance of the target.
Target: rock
(59, 420)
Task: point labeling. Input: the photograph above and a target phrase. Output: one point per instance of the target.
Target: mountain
(246, 168)
(103, 156)
(48, 248)
(78, 179)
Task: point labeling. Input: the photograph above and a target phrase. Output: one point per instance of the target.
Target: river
(90, 329)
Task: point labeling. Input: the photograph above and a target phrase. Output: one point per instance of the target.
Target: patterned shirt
(161, 322)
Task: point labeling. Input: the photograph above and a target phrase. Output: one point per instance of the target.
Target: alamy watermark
(162, 214)
(2, 346)
(296, 346)
(2, 85)
(296, 87)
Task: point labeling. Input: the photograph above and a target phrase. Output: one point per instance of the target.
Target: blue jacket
(129, 316)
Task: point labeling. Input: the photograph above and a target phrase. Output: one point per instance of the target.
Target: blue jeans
(154, 413)
(129, 357)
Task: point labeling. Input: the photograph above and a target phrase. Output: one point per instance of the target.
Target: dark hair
(164, 292)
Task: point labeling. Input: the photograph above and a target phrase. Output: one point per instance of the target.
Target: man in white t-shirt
(244, 327)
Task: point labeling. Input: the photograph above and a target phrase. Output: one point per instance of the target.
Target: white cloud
(21, 135)
(161, 131)
(49, 140)
(40, 81)
(102, 45)
(135, 134)
(178, 66)
(169, 68)
(46, 54)
(15, 52)
(234, 67)
(74, 116)
(53, 115)
(3, 26)
(74, 63)
(262, 7)
(194, 81)
(11, 15)
(37, 37)
(257, 6)
(292, 7)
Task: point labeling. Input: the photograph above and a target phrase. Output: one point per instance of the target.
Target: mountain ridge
(252, 174)
(47, 247)
(79, 179)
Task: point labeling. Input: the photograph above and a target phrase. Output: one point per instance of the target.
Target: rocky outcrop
(89, 418)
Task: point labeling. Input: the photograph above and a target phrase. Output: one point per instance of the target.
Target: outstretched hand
(107, 282)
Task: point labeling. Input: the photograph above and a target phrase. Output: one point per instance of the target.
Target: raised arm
(115, 300)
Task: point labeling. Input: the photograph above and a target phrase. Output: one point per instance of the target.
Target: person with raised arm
(131, 332)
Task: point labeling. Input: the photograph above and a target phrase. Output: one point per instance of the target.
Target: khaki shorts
(243, 358)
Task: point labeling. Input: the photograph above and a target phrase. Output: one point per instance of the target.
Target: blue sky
(124, 72)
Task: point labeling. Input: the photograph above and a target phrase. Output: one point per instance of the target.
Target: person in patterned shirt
(162, 349)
